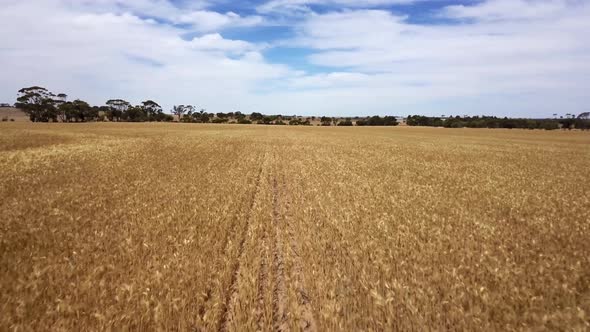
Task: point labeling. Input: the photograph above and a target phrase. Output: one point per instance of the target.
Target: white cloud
(210, 21)
(98, 56)
(510, 10)
(367, 29)
(194, 13)
(215, 42)
(291, 6)
(163, 9)
(543, 59)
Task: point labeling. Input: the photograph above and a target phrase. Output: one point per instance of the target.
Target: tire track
(236, 269)
(280, 290)
(304, 310)
(277, 240)
(263, 278)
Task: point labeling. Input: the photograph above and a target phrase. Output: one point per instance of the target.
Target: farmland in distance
(239, 228)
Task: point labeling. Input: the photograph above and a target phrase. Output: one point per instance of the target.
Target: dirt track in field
(277, 237)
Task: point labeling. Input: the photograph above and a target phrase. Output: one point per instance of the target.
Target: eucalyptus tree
(152, 109)
(180, 110)
(38, 103)
(118, 107)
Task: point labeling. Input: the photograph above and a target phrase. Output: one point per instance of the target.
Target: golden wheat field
(243, 228)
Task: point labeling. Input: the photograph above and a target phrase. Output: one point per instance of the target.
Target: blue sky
(519, 58)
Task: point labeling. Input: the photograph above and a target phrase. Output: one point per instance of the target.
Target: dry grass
(212, 227)
(13, 114)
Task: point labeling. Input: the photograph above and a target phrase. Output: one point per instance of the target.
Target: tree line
(569, 122)
(41, 105)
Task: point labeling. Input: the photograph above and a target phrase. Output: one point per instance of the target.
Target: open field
(241, 228)
(13, 114)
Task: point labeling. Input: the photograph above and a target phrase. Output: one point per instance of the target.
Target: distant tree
(239, 116)
(345, 123)
(567, 123)
(102, 112)
(266, 120)
(379, 121)
(219, 120)
(205, 117)
(63, 97)
(549, 125)
(256, 116)
(66, 112)
(83, 112)
(180, 111)
(326, 121)
(38, 103)
(419, 120)
(152, 110)
(195, 116)
(295, 121)
(77, 111)
(135, 114)
(58, 101)
(581, 123)
(118, 107)
(119, 104)
(489, 122)
(389, 121)
(192, 116)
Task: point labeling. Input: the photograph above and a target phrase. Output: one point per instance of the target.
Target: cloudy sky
(520, 58)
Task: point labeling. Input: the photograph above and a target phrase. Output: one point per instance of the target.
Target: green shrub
(219, 120)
